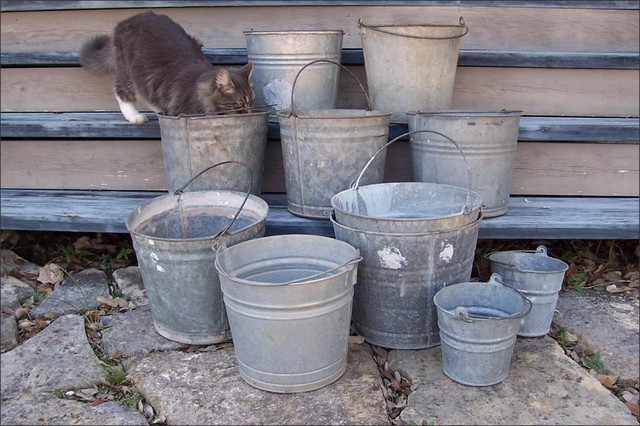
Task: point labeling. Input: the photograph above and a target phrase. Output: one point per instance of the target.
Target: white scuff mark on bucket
(278, 92)
(159, 268)
(391, 258)
(151, 242)
(154, 257)
(447, 253)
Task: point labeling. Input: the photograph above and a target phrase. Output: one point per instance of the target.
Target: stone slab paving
(544, 386)
(206, 388)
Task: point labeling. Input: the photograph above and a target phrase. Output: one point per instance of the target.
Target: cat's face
(231, 90)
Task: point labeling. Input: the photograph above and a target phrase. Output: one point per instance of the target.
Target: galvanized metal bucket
(173, 237)
(407, 207)
(537, 276)
(277, 58)
(478, 324)
(489, 140)
(288, 300)
(190, 143)
(398, 277)
(424, 60)
(321, 149)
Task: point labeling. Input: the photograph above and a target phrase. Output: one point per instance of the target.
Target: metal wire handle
(219, 235)
(295, 80)
(467, 208)
(377, 28)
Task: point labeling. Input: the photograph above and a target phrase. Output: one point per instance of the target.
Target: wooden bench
(71, 163)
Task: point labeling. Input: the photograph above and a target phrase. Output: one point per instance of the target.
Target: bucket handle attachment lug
(467, 207)
(295, 80)
(377, 28)
(180, 190)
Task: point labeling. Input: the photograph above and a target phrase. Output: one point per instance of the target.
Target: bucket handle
(377, 28)
(223, 246)
(180, 190)
(495, 279)
(293, 107)
(540, 250)
(467, 208)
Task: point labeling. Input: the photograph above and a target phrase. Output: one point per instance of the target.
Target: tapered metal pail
(288, 299)
(489, 142)
(398, 277)
(478, 325)
(278, 56)
(537, 276)
(323, 148)
(411, 67)
(173, 237)
(191, 143)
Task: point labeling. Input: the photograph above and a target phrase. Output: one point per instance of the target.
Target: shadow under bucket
(478, 324)
(288, 299)
(173, 237)
(537, 276)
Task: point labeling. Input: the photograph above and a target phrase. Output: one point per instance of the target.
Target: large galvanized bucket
(411, 247)
(173, 237)
(277, 58)
(321, 149)
(478, 324)
(288, 299)
(411, 67)
(191, 143)
(407, 207)
(537, 276)
(489, 141)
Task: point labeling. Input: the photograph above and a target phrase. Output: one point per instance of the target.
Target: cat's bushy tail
(97, 55)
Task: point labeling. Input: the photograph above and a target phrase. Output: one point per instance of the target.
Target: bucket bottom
(397, 340)
(494, 212)
(193, 338)
(310, 212)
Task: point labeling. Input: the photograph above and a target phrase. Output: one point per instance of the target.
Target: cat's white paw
(137, 119)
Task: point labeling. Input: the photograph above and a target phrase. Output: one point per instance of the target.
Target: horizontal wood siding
(497, 28)
(543, 168)
(535, 91)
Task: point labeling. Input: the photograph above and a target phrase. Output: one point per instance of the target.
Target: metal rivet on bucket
(173, 237)
(539, 277)
(321, 149)
(288, 300)
(478, 324)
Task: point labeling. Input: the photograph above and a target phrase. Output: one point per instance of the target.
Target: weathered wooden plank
(536, 91)
(547, 168)
(111, 125)
(527, 218)
(466, 58)
(22, 5)
(493, 28)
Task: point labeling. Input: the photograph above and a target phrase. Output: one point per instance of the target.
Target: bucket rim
(430, 25)
(253, 198)
(459, 313)
(328, 116)
(562, 265)
(347, 264)
(295, 32)
(473, 224)
(476, 207)
(461, 113)
(209, 116)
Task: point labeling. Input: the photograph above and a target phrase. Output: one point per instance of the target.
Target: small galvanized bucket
(277, 58)
(288, 300)
(321, 148)
(190, 143)
(489, 140)
(415, 238)
(478, 325)
(411, 67)
(539, 277)
(173, 237)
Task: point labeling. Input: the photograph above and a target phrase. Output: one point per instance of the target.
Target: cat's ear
(247, 70)
(223, 81)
